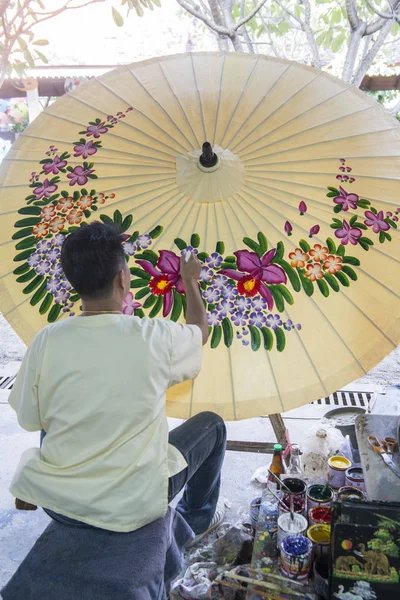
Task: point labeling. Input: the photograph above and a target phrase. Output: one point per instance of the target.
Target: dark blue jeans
(202, 441)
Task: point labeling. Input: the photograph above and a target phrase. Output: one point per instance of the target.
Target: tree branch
(250, 16)
(195, 13)
(306, 26)
(223, 40)
(244, 29)
(352, 15)
(367, 61)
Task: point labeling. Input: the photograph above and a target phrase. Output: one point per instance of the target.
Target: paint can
(355, 478)
(320, 536)
(320, 515)
(351, 493)
(299, 505)
(296, 553)
(288, 526)
(297, 489)
(337, 467)
(319, 495)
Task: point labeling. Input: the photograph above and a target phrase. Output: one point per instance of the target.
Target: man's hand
(190, 270)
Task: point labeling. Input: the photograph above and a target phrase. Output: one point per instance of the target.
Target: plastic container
(337, 467)
(355, 478)
(320, 515)
(319, 495)
(288, 526)
(320, 536)
(296, 554)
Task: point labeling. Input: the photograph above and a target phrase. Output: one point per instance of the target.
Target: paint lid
(339, 462)
(321, 433)
(278, 447)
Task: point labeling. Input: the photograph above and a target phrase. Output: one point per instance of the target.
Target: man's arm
(195, 311)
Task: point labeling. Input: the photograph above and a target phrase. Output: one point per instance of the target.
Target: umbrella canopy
(292, 206)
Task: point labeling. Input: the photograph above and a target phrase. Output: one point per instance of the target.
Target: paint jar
(337, 467)
(298, 489)
(299, 505)
(296, 553)
(288, 526)
(320, 515)
(355, 478)
(320, 536)
(351, 493)
(319, 495)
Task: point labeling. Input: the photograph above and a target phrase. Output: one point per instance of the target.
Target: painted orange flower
(314, 271)
(298, 258)
(48, 212)
(74, 217)
(65, 204)
(40, 230)
(57, 224)
(112, 196)
(85, 202)
(333, 264)
(319, 252)
(101, 199)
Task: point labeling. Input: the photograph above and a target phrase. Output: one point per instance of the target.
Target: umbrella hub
(208, 161)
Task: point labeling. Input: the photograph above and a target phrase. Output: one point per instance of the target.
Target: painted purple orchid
(45, 190)
(348, 234)
(165, 278)
(346, 200)
(376, 221)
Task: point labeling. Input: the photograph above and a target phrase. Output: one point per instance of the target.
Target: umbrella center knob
(208, 160)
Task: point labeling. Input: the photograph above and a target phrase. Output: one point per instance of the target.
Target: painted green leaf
(142, 293)
(305, 246)
(127, 222)
(44, 307)
(138, 283)
(350, 272)
(182, 245)
(227, 330)
(39, 294)
(21, 269)
(156, 308)
(216, 336)
(106, 219)
(292, 275)
(331, 245)
(342, 278)
(337, 208)
(29, 242)
(202, 256)
(255, 338)
(332, 282)
(22, 233)
(364, 203)
(253, 246)
(277, 296)
(140, 273)
(75, 297)
(195, 240)
(54, 313)
(220, 247)
(280, 339)
(331, 195)
(268, 338)
(148, 255)
(307, 284)
(29, 222)
(351, 260)
(139, 313)
(323, 288)
(26, 276)
(118, 218)
(363, 243)
(341, 250)
(30, 210)
(177, 307)
(33, 285)
(382, 237)
(87, 213)
(285, 293)
(391, 223)
(333, 189)
(226, 265)
(262, 240)
(230, 259)
(148, 303)
(134, 236)
(156, 232)
(280, 251)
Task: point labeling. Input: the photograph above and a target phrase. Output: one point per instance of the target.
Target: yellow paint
(249, 285)
(339, 462)
(319, 534)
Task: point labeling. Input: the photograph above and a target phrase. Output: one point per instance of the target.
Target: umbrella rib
(331, 174)
(309, 110)
(62, 183)
(185, 219)
(279, 201)
(344, 295)
(119, 137)
(160, 220)
(98, 162)
(112, 205)
(286, 310)
(320, 142)
(219, 100)
(197, 143)
(199, 99)
(265, 97)
(138, 111)
(241, 96)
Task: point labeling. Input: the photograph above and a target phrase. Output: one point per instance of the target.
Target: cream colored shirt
(97, 386)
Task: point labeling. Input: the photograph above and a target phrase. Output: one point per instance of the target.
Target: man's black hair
(91, 257)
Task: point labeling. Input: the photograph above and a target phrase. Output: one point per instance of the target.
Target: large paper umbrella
(292, 207)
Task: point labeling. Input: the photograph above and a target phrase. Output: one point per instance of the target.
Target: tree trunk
(369, 58)
(351, 57)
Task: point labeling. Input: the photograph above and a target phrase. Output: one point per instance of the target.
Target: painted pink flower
(79, 175)
(302, 207)
(55, 166)
(165, 277)
(96, 130)
(346, 200)
(348, 234)
(45, 190)
(288, 228)
(85, 150)
(377, 222)
(314, 230)
(253, 272)
(130, 304)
